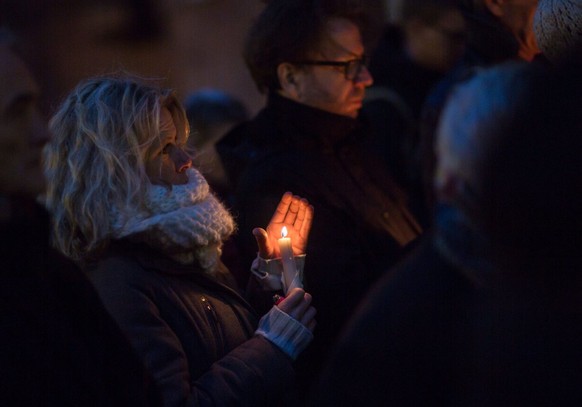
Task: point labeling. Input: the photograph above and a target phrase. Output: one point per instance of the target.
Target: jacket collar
(308, 121)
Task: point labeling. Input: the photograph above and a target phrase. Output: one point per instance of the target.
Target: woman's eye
(166, 149)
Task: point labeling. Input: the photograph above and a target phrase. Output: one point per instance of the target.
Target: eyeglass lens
(354, 67)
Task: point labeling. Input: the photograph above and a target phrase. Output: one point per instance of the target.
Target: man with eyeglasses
(309, 58)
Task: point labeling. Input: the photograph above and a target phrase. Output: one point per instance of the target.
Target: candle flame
(284, 231)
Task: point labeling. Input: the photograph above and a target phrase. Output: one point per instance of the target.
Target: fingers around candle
(293, 297)
(296, 303)
(307, 298)
(308, 318)
(301, 310)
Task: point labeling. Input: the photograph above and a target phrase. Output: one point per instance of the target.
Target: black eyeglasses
(352, 68)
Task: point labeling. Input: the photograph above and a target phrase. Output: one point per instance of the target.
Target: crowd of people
(400, 231)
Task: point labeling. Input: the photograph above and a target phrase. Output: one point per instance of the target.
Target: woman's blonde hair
(95, 162)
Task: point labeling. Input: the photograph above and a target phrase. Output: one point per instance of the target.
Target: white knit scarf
(186, 222)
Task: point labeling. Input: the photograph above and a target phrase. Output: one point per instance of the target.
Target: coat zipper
(213, 318)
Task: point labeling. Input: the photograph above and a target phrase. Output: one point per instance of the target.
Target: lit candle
(290, 275)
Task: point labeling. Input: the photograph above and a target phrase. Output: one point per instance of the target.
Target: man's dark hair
(287, 30)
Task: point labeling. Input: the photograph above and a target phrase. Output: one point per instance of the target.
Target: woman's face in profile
(166, 161)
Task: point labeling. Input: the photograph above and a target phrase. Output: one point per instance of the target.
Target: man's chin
(353, 113)
(355, 107)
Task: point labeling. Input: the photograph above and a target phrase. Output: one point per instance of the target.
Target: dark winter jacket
(194, 332)
(361, 224)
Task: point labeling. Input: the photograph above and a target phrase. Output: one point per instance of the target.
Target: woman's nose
(182, 160)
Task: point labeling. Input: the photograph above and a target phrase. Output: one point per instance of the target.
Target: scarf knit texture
(186, 222)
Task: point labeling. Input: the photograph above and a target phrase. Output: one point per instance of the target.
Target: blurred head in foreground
(509, 157)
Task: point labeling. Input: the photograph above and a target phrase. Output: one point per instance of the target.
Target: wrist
(268, 272)
(290, 335)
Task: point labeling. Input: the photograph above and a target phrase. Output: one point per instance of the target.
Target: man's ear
(287, 74)
(496, 7)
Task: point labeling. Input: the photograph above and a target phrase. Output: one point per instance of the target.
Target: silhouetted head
(510, 156)
(23, 130)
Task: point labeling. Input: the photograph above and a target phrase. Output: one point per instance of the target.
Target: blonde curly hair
(95, 161)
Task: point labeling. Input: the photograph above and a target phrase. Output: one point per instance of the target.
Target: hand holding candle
(296, 215)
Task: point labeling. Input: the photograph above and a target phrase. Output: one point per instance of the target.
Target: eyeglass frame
(361, 62)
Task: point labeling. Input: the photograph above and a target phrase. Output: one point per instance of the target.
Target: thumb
(262, 239)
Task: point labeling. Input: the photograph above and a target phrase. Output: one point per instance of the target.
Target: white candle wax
(290, 277)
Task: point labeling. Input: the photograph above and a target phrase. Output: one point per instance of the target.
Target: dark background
(190, 44)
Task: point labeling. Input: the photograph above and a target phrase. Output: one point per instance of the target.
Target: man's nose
(364, 77)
